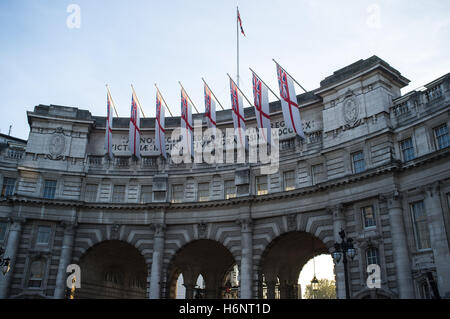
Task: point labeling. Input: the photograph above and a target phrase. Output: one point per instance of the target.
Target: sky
(141, 42)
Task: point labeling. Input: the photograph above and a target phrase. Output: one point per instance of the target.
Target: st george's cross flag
(135, 132)
(108, 131)
(210, 109)
(261, 102)
(160, 129)
(186, 123)
(237, 110)
(291, 113)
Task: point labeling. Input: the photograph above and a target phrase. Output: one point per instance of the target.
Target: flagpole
(109, 93)
(188, 97)
(251, 104)
(212, 93)
(290, 76)
(167, 107)
(134, 93)
(237, 38)
(265, 84)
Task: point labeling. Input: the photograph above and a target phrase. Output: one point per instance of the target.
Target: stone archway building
(373, 162)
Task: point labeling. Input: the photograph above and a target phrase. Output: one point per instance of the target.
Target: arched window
(37, 269)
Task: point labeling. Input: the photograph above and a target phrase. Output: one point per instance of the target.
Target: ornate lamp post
(343, 250)
(4, 262)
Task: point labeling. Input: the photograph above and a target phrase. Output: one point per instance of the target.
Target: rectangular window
(230, 189)
(372, 256)
(3, 227)
(49, 189)
(203, 192)
(177, 193)
(358, 162)
(146, 193)
(43, 235)
(316, 172)
(118, 194)
(9, 185)
(420, 225)
(289, 180)
(441, 134)
(368, 217)
(407, 149)
(261, 185)
(91, 193)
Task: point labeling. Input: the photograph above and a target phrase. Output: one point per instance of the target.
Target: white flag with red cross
(237, 110)
(291, 112)
(135, 131)
(261, 103)
(160, 130)
(186, 123)
(210, 109)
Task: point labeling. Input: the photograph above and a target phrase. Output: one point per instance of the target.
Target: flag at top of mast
(240, 22)
(109, 120)
(291, 112)
(135, 131)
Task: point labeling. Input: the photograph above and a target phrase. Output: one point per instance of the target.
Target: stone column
(438, 238)
(246, 271)
(10, 252)
(400, 247)
(157, 260)
(64, 260)
(338, 225)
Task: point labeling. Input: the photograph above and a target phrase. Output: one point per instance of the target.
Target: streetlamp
(314, 286)
(343, 250)
(4, 262)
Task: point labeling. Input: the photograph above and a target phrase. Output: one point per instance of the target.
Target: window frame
(114, 193)
(417, 238)
(437, 137)
(363, 217)
(49, 192)
(403, 150)
(361, 160)
(287, 188)
(6, 186)
(258, 183)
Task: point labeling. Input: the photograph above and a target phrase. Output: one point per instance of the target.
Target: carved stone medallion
(351, 111)
(57, 145)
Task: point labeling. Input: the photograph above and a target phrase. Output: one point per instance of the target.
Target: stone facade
(373, 162)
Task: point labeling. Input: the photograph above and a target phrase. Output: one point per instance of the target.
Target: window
(358, 162)
(368, 217)
(3, 227)
(407, 149)
(261, 185)
(8, 186)
(316, 172)
(441, 134)
(146, 193)
(118, 194)
(372, 256)
(177, 193)
(91, 193)
(43, 235)
(203, 192)
(420, 225)
(15, 153)
(230, 189)
(49, 189)
(289, 180)
(36, 276)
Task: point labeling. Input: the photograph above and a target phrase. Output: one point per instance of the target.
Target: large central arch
(203, 257)
(113, 270)
(282, 261)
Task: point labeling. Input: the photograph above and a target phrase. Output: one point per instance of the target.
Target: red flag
(240, 22)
